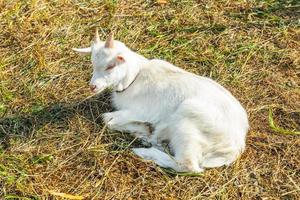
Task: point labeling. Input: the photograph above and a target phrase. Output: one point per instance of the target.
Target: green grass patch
(278, 129)
(175, 173)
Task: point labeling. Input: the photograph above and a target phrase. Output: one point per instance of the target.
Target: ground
(53, 142)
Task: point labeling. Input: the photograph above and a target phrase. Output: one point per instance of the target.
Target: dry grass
(52, 140)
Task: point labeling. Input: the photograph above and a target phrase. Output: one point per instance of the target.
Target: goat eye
(111, 66)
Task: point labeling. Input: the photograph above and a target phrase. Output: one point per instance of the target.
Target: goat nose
(93, 87)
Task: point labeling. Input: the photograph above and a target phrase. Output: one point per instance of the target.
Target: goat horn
(96, 38)
(110, 41)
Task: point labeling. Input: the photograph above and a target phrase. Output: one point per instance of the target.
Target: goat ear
(120, 59)
(83, 51)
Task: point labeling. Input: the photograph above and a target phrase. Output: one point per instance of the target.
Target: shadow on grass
(276, 12)
(26, 124)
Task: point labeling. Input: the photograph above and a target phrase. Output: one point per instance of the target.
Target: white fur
(203, 123)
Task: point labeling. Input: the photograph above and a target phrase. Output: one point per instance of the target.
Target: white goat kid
(203, 123)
